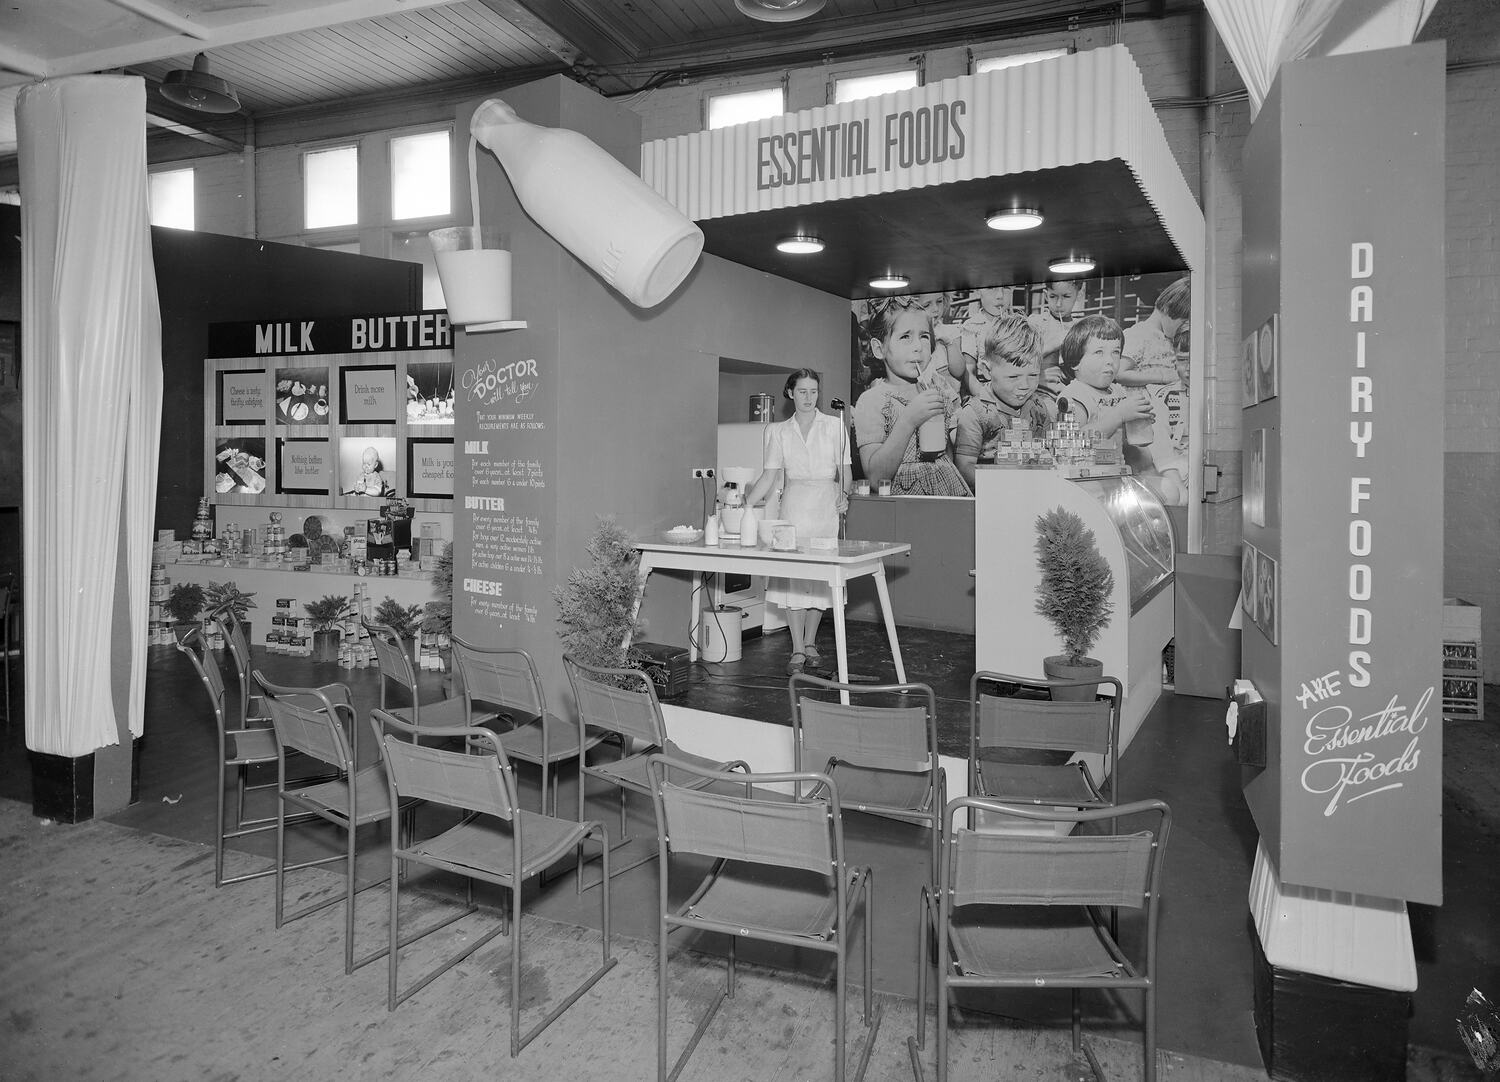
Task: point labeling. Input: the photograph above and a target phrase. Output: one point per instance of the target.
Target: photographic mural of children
(1148, 356)
(889, 412)
(1090, 359)
(1169, 443)
(1060, 296)
(1006, 378)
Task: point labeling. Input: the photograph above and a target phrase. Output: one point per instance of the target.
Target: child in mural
(1148, 356)
(1060, 296)
(994, 304)
(372, 480)
(1169, 443)
(1006, 378)
(1090, 358)
(893, 407)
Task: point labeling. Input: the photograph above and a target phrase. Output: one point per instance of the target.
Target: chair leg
(1151, 1034)
(219, 830)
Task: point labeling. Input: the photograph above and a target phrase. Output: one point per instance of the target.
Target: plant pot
(326, 645)
(1057, 667)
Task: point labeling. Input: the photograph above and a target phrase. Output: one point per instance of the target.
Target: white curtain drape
(91, 401)
(1261, 35)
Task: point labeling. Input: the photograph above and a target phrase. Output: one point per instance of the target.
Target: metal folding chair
(778, 875)
(495, 841)
(1034, 911)
(504, 684)
(312, 721)
(238, 751)
(880, 746)
(395, 664)
(620, 706)
(1005, 731)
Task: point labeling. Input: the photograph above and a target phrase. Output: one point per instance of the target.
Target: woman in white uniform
(808, 456)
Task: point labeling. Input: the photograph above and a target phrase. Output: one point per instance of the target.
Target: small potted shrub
(1074, 594)
(598, 604)
(402, 619)
(184, 605)
(227, 597)
(326, 613)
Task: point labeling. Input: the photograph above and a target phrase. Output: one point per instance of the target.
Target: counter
(935, 587)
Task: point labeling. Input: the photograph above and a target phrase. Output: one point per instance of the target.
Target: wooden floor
(1179, 755)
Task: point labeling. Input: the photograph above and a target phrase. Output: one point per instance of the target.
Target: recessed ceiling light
(799, 244)
(1015, 218)
(779, 11)
(890, 281)
(1071, 264)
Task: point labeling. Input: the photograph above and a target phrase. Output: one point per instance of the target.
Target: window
(998, 63)
(171, 197)
(420, 185)
(742, 108)
(854, 87)
(330, 187)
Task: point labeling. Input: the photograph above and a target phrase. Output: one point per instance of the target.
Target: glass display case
(1145, 531)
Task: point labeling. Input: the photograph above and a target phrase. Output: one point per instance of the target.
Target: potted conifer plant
(227, 597)
(598, 605)
(1074, 594)
(325, 614)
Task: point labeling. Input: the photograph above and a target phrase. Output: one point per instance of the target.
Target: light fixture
(199, 90)
(1072, 263)
(779, 11)
(1015, 218)
(800, 244)
(890, 281)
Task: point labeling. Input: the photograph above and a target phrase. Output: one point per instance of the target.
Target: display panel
(368, 395)
(302, 396)
(367, 466)
(303, 467)
(429, 467)
(242, 397)
(241, 465)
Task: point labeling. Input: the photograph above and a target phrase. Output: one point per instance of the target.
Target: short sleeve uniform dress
(814, 466)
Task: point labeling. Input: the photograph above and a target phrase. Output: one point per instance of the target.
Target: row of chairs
(878, 758)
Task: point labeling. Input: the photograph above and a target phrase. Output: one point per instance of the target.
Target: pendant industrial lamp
(197, 89)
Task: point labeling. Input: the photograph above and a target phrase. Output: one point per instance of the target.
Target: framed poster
(1268, 597)
(429, 393)
(1249, 368)
(302, 396)
(1270, 348)
(1255, 479)
(429, 468)
(303, 467)
(240, 465)
(242, 397)
(1248, 582)
(367, 466)
(368, 395)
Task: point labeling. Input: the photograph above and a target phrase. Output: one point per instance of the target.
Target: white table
(835, 566)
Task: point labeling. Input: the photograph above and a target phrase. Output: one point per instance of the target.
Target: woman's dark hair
(1077, 340)
(797, 377)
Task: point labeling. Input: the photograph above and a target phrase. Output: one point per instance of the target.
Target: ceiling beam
(572, 37)
(177, 127)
